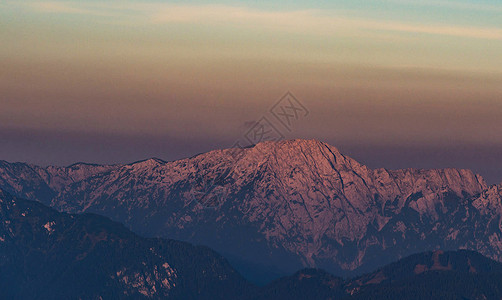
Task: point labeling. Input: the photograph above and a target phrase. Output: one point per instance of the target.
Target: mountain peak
(286, 153)
(294, 142)
(300, 144)
(150, 162)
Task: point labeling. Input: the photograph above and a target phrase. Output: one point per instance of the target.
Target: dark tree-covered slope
(45, 254)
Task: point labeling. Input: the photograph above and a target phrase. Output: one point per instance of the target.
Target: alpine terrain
(45, 254)
(277, 207)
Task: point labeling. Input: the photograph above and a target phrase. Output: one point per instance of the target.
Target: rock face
(45, 254)
(287, 204)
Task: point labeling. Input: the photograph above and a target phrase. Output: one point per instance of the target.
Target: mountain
(280, 206)
(430, 275)
(433, 275)
(45, 254)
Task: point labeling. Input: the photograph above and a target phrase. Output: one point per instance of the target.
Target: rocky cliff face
(286, 204)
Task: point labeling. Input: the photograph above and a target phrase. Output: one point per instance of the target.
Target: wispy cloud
(458, 5)
(311, 21)
(60, 7)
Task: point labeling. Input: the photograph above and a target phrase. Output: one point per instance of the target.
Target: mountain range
(45, 254)
(277, 207)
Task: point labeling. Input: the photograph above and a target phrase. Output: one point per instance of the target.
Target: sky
(392, 83)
